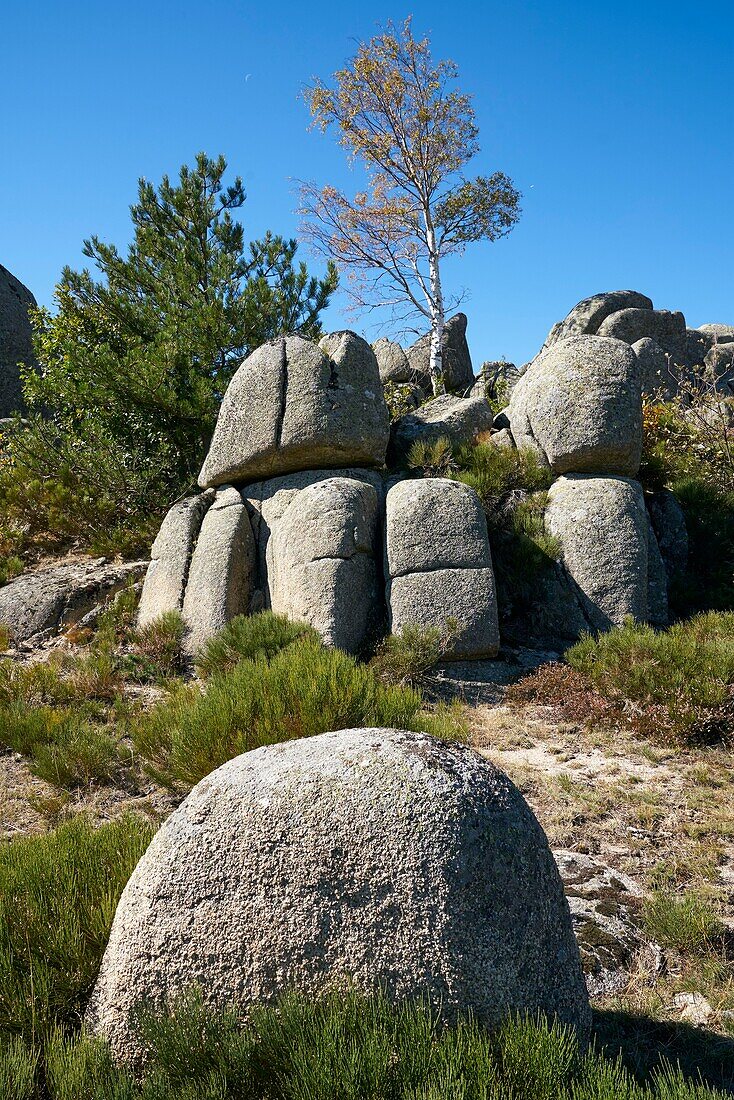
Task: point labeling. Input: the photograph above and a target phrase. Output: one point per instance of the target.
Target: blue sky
(616, 121)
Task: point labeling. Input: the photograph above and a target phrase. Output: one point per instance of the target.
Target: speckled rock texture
(392, 361)
(657, 373)
(221, 574)
(585, 317)
(606, 910)
(50, 600)
(170, 558)
(719, 368)
(666, 328)
(603, 529)
(439, 565)
(460, 419)
(721, 334)
(579, 405)
(323, 559)
(268, 501)
(16, 339)
(293, 405)
(669, 525)
(373, 856)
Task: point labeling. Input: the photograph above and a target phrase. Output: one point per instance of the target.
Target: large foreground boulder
(439, 565)
(16, 339)
(373, 856)
(580, 405)
(324, 561)
(293, 405)
(607, 550)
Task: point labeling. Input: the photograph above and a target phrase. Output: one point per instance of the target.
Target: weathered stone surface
(666, 328)
(295, 406)
(267, 503)
(439, 565)
(669, 525)
(392, 361)
(657, 375)
(586, 317)
(503, 438)
(602, 527)
(170, 557)
(52, 600)
(720, 334)
(372, 856)
(323, 561)
(458, 374)
(719, 368)
(16, 339)
(221, 574)
(579, 404)
(460, 419)
(434, 523)
(697, 344)
(606, 909)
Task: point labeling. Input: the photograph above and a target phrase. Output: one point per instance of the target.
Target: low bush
(303, 690)
(351, 1047)
(160, 644)
(58, 895)
(247, 637)
(675, 685)
(406, 657)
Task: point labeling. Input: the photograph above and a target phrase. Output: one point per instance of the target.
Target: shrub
(160, 642)
(349, 1046)
(303, 690)
(58, 895)
(247, 637)
(676, 683)
(689, 924)
(406, 657)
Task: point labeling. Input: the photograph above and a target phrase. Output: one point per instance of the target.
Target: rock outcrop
(579, 405)
(459, 419)
(170, 558)
(16, 340)
(586, 317)
(439, 565)
(221, 574)
(49, 601)
(603, 530)
(392, 361)
(323, 561)
(293, 406)
(372, 856)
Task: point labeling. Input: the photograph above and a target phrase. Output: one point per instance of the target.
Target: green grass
(348, 1047)
(58, 894)
(677, 683)
(303, 690)
(688, 924)
(406, 657)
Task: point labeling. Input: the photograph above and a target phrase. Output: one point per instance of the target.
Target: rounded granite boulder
(376, 857)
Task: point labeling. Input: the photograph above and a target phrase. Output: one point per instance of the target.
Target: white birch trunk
(437, 315)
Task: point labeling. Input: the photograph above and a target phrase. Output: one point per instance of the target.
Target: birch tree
(397, 112)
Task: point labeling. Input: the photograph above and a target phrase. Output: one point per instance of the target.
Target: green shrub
(160, 643)
(247, 637)
(708, 583)
(58, 895)
(676, 683)
(689, 924)
(353, 1048)
(303, 690)
(406, 657)
(18, 1065)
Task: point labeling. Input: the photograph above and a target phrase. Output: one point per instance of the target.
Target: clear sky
(615, 120)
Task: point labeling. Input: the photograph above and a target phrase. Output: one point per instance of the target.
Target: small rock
(693, 1008)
